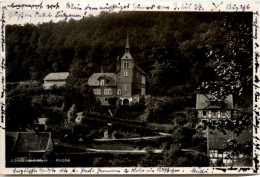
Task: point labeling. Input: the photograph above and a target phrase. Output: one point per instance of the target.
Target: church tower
(127, 69)
(128, 83)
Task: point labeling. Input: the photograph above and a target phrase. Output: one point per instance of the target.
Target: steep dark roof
(136, 86)
(57, 76)
(27, 141)
(105, 76)
(217, 139)
(93, 79)
(127, 54)
(203, 101)
(11, 138)
(139, 69)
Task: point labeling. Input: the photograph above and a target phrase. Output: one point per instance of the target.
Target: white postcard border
(26, 13)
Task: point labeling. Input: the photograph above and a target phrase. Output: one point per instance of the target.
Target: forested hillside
(173, 48)
(182, 53)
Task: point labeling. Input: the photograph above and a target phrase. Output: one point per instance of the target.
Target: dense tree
(179, 45)
(233, 67)
(232, 61)
(19, 108)
(71, 114)
(174, 155)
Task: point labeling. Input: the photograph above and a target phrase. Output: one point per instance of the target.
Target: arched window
(102, 82)
(126, 65)
(119, 92)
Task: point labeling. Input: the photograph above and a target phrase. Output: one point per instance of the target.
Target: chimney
(117, 63)
(101, 69)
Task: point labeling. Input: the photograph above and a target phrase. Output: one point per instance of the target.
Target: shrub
(116, 134)
(112, 101)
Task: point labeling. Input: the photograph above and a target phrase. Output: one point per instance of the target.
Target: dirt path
(134, 139)
(156, 151)
(84, 149)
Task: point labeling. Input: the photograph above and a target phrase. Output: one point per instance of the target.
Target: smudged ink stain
(3, 64)
(256, 86)
(257, 94)
(231, 168)
(22, 6)
(256, 61)
(222, 169)
(225, 169)
(257, 146)
(256, 79)
(243, 169)
(256, 26)
(256, 137)
(2, 29)
(2, 112)
(256, 161)
(256, 121)
(3, 89)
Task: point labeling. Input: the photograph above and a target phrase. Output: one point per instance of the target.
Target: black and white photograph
(131, 89)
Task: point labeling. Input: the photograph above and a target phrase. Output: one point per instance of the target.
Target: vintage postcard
(129, 87)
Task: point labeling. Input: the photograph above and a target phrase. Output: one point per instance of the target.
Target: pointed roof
(28, 141)
(203, 101)
(57, 76)
(94, 79)
(104, 76)
(127, 54)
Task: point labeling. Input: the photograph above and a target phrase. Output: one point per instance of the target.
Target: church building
(128, 83)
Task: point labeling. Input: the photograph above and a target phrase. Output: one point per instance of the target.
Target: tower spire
(127, 46)
(127, 54)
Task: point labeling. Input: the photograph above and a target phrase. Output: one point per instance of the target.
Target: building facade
(127, 84)
(58, 79)
(212, 109)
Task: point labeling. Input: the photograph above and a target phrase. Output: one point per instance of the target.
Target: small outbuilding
(42, 124)
(211, 108)
(58, 79)
(23, 146)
